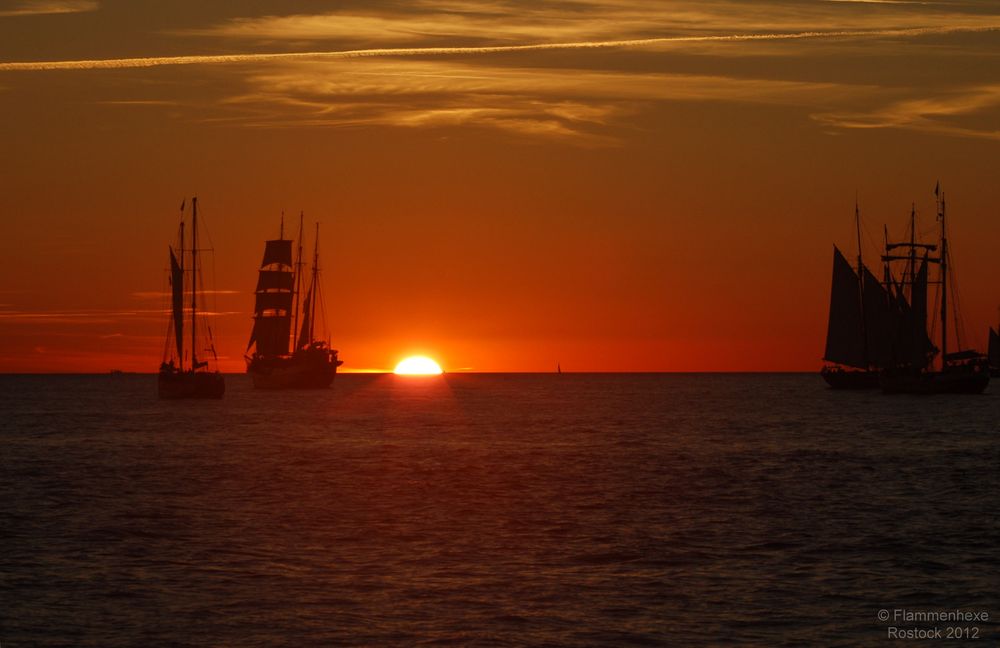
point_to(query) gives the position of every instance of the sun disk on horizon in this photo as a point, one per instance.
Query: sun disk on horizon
(417, 366)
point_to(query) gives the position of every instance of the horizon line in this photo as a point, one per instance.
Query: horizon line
(444, 373)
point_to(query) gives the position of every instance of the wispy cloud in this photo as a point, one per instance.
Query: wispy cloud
(496, 22)
(928, 114)
(92, 316)
(887, 2)
(444, 70)
(538, 102)
(39, 7)
(138, 102)
(63, 317)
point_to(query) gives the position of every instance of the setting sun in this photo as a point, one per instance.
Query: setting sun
(418, 366)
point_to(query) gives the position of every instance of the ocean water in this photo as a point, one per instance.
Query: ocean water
(494, 510)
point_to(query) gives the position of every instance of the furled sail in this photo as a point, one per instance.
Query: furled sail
(177, 301)
(845, 333)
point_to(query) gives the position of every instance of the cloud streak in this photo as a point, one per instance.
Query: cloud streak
(42, 7)
(93, 317)
(538, 102)
(160, 294)
(497, 22)
(935, 115)
(220, 59)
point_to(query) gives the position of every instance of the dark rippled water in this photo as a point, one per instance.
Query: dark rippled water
(572, 510)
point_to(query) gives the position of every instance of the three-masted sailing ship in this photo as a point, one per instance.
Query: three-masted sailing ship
(878, 334)
(917, 366)
(287, 353)
(188, 375)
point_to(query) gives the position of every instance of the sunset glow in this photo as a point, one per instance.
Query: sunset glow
(417, 366)
(499, 321)
(622, 186)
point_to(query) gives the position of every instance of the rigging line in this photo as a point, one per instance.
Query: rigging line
(167, 304)
(166, 345)
(934, 313)
(319, 292)
(322, 312)
(872, 241)
(215, 300)
(215, 297)
(928, 232)
(211, 342)
(201, 282)
(201, 288)
(956, 304)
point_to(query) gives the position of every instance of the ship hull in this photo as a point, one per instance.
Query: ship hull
(189, 384)
(963, 379)
(308, 369)
(838, 378)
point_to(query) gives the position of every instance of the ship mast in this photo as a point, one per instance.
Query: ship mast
(886, 274)
(314, 287)
(861, 283)
(944, 280)
(179, 321)
(913, 248)
(194, 278)
(298, 288)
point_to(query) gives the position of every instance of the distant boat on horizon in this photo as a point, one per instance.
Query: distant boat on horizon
(287, 354)
(191, 379)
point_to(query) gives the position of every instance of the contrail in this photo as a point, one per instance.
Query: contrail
(156, 61)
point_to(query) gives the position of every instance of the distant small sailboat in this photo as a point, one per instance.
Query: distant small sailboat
(197, 380)
(558, 368)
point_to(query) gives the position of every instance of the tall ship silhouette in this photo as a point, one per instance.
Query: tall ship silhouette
(287, 353)
(186, 373)
(880, 332)
(915, 365)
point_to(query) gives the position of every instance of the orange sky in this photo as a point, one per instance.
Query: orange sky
(657, 188)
